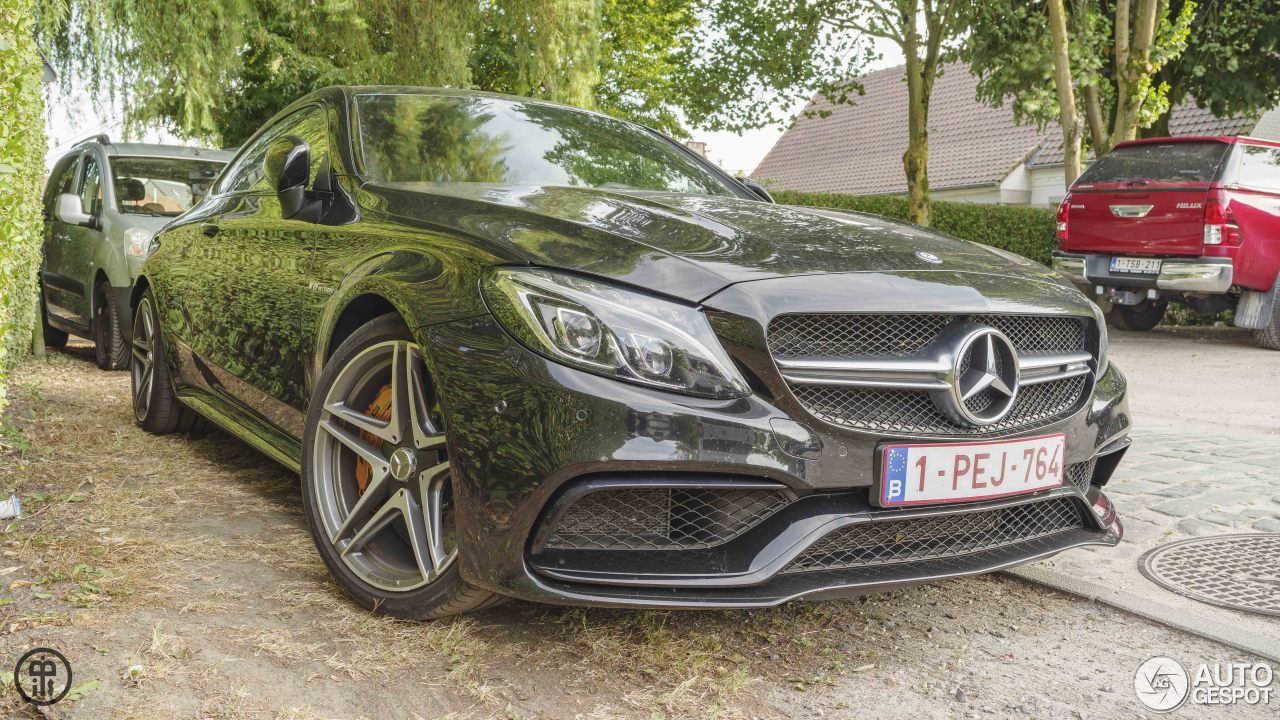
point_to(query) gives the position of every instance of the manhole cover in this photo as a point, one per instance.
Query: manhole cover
(1241, 572)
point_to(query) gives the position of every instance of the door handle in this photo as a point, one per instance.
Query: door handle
(209, 229)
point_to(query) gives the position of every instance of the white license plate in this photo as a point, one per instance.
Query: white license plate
(951, 472)
(1146, 266)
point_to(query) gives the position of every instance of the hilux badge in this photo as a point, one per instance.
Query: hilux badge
(929, 257)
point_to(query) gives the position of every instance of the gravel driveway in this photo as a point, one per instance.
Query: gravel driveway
(177, 576)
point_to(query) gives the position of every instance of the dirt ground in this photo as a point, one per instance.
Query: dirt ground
(178, 577)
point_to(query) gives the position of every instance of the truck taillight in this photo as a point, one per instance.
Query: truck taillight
(1219, 223)
(1062, 219)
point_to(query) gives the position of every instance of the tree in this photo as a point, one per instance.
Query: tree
(22, 144)
(1232, 61)
(218, 71)
(790, 49)
(1117, 52)
(1068, 113)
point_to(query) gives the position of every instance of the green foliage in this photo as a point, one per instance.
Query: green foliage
(218, 71)
(1232, 61)
(22, 144)
(1029, 232)
(1224, 54)
(643, 45)
(540, 48)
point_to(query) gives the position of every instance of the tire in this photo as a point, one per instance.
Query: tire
(53, 337)
(155, 406)
(347, 515)
(1269, 336)
(109, 347)
(1141, 317)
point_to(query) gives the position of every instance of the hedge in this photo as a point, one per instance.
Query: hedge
(22, 147)
(1029, 232)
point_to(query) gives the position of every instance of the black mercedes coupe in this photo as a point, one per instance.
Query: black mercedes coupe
(522, 350)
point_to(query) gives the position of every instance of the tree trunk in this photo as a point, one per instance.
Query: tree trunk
(1099, 136)
(915, 161)
(1068, 115)
(1132, 59)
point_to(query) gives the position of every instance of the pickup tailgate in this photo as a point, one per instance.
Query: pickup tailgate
(1145, 199)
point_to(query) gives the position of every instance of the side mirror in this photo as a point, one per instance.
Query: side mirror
(757, 189)
(70, 210)
(289, 163)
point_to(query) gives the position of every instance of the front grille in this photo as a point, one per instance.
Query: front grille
(886, 542)
(661, 518)
(1081, 474)
(912, 412)
(846, 335)
(906, 337)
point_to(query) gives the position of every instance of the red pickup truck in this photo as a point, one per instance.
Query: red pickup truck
(1194, 220)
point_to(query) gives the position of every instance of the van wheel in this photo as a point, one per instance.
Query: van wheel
(109, 348)
(1141, 317)
(1269, 336)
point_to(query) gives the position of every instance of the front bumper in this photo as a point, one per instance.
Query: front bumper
(525, 433)
(1190, 275)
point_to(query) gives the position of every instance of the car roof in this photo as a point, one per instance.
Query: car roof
(159, 150)
(1228, 139)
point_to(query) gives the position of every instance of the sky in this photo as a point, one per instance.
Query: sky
(73, 119)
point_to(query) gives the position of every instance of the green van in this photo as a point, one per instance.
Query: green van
(103, 203)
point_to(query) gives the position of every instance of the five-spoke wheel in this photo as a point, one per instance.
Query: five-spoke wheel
(377, 480)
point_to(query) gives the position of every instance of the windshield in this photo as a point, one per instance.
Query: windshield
(1179, 162)
(433, 139)
(161, 186)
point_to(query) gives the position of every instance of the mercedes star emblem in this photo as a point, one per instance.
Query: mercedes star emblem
(929, 257)
(984, 379)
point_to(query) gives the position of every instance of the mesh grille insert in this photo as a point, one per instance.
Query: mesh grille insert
(662, 518)
(892, 410)
(912, 412)
(1081, 474)
(844, 335)
(886, 542)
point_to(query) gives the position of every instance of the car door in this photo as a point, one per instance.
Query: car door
(55, 284)
(75, 266)
(250, 271)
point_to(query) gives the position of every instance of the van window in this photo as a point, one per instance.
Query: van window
(1163, 162)
(1260, 167)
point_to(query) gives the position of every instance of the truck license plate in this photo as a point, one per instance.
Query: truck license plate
(1145, 266)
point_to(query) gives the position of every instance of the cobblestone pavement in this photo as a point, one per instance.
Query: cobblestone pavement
(1195, 469)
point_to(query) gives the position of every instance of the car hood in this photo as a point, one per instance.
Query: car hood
(690, 246)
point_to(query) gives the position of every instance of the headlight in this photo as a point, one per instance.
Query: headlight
(1104, 343)
(137, 242)
(613, 332)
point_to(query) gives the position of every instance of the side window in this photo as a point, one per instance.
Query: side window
(91, 185)
(1260, 167)
(249, 172)
(63, 180)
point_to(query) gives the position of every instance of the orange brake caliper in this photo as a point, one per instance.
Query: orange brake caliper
(380, 408)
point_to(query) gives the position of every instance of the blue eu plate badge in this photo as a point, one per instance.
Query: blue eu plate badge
(895, 475)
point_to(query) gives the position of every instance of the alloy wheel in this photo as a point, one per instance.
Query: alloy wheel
(142, 369)
(382, 476)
